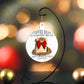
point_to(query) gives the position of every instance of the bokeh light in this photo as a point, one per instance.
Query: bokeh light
(43, 67)
(78, 41)
(80, 3)
(3, 31)
(10, 58)
(23, 34)
(20, 18)
(10, 74)
(82, 73)
(23, 16)
(12, 31)
(62, 6)
(33, 3)
(75, 75)
(48, 0)
(74, 14)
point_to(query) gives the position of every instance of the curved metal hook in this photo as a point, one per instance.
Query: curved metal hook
(41, 10)
(63, 37)
(45, 14)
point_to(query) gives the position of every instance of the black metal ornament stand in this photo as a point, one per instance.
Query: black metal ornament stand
(42, 81)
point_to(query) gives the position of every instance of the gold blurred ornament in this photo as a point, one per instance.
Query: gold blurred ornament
(3, 31)
(78, 75)
(7, 76)
(12, 31)
(23, 16)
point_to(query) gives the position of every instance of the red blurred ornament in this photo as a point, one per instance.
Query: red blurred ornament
(10, 58)
(79, 39)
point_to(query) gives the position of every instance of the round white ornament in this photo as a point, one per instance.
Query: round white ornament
(41, 45)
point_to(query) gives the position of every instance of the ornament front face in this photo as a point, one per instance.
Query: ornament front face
(42, 45)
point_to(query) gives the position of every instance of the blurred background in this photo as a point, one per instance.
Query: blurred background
(19, 18)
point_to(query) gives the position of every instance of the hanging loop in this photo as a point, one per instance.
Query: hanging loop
(42, 26)
(41, 10)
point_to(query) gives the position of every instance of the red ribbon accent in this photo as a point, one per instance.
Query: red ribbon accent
(41, 43)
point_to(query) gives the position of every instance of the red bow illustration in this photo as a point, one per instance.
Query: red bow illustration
(41, 43)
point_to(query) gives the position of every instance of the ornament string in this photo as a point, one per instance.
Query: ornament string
(42, 81)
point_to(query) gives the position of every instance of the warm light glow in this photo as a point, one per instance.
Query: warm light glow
(79, 38)
(80, 3)
(61, 6)
(75, 75)
(23, 16)
(12, 31)
(7, 76)
(82, 73)
(78, 75)
(3, 31)
(76, 15)
(64, 6)
(2, 74)
(23, 34)
(10, 75)
(48, 0)
(43, 67)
